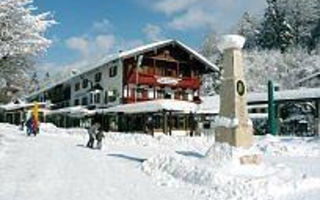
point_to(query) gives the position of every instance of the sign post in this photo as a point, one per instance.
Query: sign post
(272, 126)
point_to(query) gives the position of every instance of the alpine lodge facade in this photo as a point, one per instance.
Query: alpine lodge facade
(132, 90)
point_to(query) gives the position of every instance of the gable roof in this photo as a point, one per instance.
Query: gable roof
(307, 78)
(130, 53)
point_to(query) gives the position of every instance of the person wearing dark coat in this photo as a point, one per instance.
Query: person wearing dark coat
(99, 137)
(29, 126)
(92, 134)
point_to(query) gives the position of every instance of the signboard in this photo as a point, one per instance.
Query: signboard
(168, 80)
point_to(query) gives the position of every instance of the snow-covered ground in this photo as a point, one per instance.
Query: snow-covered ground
(57, 165)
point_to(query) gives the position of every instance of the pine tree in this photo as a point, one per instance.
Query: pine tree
(248, 27)
(315, 33)
(302, 15)
(275, 31)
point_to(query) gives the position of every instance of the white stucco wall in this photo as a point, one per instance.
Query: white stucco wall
(107, 83)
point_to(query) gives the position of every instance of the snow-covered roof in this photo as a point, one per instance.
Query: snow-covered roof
(309, 77)
(13, 106)
(211, 104)
(286, 95)
(258, 115)
(130, 53)
(152, 106)
(75, 111)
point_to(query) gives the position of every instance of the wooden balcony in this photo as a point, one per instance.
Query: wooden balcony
(153, 80)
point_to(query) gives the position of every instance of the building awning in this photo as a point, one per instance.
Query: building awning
(75, 111)
(153, 106)
(13, 106)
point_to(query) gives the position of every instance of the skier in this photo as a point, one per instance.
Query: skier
(92, 134)
(99, 137)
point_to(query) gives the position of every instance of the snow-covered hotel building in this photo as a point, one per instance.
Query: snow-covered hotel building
(162, 73)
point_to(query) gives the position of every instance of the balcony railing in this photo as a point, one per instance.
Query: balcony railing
(152, 80)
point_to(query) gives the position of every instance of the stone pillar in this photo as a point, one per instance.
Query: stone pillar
(317, 119)
(233, 95)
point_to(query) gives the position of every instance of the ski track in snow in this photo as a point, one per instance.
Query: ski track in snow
(56, 165)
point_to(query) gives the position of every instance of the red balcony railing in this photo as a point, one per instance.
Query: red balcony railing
(152, 80)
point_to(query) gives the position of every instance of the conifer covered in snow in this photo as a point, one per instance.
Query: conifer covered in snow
(21, 39)
(248, 26)
(276, 32)
(302, 15)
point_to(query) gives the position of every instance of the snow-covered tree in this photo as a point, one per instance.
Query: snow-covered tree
(276, 32)
(248, 27)
(211, 82)
(302, 15)
(21, 38)
(284, 68)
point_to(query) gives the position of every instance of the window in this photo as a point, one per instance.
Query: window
(97, 77)
(160, 94)
(184, 71)
(85, 83)
(168, 95)
(106, 97)
(76, 102)
(97, 98)
(190, 96)
(185, 95)
(91, 98)
(150, 93)
(84, 101)
(113, 71)
(77, 86)
(139, 92)
(112, 96)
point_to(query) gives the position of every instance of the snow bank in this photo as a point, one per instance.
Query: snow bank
(6, 136)
(265, 145)
(287, 146)
(219, 175)
(49, 128)
(226, 122)
(160, 141)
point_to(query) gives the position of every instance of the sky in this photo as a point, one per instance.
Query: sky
(89, 29)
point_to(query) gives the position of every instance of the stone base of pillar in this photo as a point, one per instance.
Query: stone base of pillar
(239, 137)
